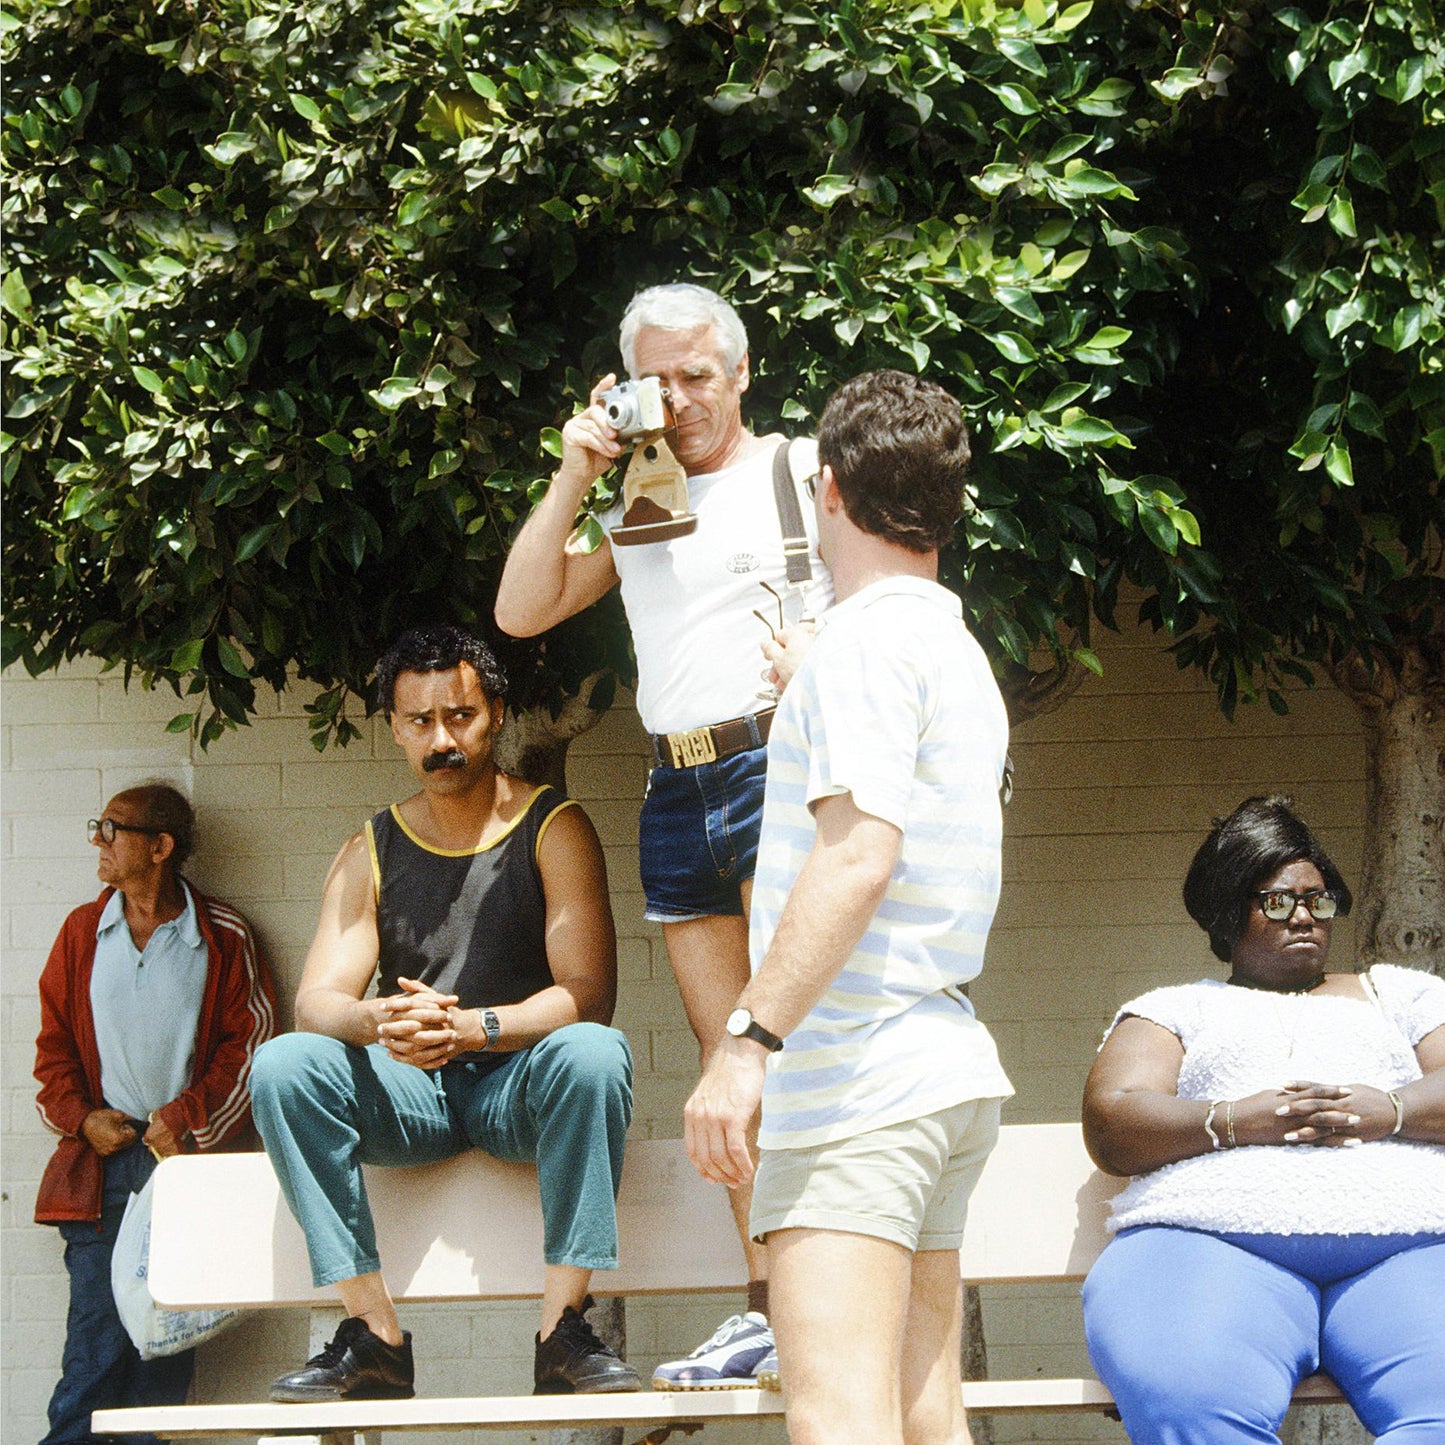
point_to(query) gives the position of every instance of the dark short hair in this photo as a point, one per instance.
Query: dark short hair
(437, 649)
(898, 446)
(167, 810)
(1242, 851)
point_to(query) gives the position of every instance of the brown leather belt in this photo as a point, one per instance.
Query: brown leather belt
(707, 744)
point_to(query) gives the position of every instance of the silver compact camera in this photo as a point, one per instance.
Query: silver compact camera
(635, 408)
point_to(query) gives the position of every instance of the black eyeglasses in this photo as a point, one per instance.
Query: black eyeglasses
(1278, 904)
(810, 484)
(106, 828)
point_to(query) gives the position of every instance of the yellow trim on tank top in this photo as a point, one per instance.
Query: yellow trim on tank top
(547, 823)
(395, 811)
(375, 861)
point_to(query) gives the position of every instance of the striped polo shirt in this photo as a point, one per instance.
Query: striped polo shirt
(896, 705)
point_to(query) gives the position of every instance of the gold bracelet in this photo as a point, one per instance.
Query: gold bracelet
(1394, 1098)
(1229, 1125)
(1209, 1123)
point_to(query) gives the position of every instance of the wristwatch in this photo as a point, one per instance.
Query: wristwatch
(742, 1025)
(492, 1026)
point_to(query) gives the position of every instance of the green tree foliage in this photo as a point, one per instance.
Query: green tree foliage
(297, 296)
(1304, 413)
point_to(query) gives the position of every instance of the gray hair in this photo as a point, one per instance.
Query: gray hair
(681, 307)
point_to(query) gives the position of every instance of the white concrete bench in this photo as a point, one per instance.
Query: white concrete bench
(471, 1229)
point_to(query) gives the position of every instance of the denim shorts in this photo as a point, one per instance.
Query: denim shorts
(699, 836)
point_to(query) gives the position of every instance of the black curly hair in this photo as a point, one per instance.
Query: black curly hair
(437, 649)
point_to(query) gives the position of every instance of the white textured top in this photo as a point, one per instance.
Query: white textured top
(894, 704)
(1238, 1041)
(690, 601)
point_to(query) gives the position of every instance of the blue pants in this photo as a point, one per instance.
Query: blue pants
(325, 1108)
(101, 1369)
(1202, 1337)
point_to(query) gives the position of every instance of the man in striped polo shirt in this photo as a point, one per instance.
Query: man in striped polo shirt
(877, 879)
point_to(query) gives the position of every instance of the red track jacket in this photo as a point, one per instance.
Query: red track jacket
(238, 1014)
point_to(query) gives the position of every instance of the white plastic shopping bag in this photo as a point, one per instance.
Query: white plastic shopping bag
(154, 1331)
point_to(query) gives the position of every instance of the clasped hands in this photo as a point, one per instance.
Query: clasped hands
(421, 1026)
(1304, 1112)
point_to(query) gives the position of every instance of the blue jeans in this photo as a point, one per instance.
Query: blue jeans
(325, 1108)
(101, 1369)
(1202, 1337)
(699, 836)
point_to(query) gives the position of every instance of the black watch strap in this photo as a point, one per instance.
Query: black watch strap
(742, 1025)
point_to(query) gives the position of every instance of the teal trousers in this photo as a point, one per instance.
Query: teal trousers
(325, 1108)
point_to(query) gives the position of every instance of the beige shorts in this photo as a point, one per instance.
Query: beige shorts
(908, 1182)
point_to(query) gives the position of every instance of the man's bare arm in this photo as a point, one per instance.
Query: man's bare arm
(837, 893)
(548, 576)
(343, 955)
(581, 940)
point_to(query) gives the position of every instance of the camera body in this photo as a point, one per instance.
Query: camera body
(635, 408)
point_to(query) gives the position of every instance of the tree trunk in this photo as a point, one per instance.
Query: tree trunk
(533, 745)
(1401, 901)
(974, 1359)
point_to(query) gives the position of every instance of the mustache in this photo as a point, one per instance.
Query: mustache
(452, 758)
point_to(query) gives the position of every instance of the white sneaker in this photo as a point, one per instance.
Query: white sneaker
(725, 1362)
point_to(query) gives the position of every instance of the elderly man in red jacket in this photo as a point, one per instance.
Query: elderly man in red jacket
(152, 1003)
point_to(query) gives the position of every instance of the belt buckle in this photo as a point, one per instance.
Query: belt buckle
(692, 747)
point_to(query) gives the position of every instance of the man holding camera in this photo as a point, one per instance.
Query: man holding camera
(700, 605)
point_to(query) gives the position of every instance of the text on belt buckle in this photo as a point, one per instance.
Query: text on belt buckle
(692, 747)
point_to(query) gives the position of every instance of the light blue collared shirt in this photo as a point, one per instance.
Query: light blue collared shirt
(146, 1007)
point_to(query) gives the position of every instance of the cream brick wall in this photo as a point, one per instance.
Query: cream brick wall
(1113, 793)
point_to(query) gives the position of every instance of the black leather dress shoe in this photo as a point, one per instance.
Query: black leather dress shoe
(573, 1361)
(356, 1365)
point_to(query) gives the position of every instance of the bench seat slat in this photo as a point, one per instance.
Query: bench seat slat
(989, 1397)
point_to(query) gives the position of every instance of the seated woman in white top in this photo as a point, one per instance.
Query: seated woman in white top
(1286, 1131)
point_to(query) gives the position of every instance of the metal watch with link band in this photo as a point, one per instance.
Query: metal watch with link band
(491, 1026)
(742, 1025)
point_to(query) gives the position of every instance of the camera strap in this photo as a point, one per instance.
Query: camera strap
(790, 519)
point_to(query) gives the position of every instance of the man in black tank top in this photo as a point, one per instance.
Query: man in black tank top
(479, 905)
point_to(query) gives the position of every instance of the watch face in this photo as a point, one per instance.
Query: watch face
(738, 1021)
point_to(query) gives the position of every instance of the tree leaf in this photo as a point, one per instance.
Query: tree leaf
(231, 659)
(1338, 464)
